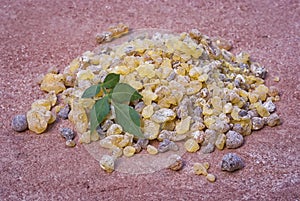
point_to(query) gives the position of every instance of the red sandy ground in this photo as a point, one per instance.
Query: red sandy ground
(36, 35)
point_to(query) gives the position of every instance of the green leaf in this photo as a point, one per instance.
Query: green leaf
(124, 93)
(98, 112)
(91, 91)
(111, 80)
(128, 118)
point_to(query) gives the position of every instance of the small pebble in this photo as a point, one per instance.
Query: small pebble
(243, 113)
(19, 123)
(234, 139)
(64, 112)
(253, 113)
(139, 107)
(237, 128)
(143, 143)
(231, 162)
(167, 145)
(208, 148)
(67, 133)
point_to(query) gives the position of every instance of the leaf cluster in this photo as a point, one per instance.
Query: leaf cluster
(118, 95)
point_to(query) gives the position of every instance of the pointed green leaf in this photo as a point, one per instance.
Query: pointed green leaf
(91, 91)
(124, 93)
(98, 112)
(111, 80)
(128, 118)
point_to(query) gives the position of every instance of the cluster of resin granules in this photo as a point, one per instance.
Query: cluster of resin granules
(194, 91)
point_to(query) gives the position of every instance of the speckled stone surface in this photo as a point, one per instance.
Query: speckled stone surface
(36, 35)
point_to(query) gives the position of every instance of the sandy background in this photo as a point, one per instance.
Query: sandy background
(36, 35)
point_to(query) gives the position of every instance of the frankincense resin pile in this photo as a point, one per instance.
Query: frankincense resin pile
(194, 90)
